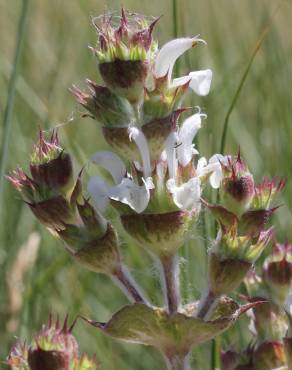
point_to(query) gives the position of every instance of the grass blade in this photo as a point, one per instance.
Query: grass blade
(7, 122)
(175, 32)
(245, 74)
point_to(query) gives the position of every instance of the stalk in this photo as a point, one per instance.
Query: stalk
(125, 281)
(207, 305)
(177, 362)
(170, 276)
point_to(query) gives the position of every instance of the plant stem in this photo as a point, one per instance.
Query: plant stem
(123, 278)
(207, 305)
(170, 276)
(177, 362)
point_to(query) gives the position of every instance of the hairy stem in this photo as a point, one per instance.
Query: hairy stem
(170, 276)
(125, 281)
(177, 362)
(207, 305)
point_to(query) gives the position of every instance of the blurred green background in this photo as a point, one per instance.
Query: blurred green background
(35, 281)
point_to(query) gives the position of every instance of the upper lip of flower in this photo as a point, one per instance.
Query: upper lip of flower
(199, 81)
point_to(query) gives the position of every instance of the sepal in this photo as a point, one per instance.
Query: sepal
(161, 234)
(226, 275)
(226, 219)
(277, 272)
(96, 253)
(253, 222)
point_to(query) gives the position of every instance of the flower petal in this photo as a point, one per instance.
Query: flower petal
(201, 81)
(187, 132)
(141, 142)
(215, 167)
(112, 163)
(135, 196)
(170, 150)
(202, 163)
(170, 52)
(180, 81)
(99, 191)
(186, 196)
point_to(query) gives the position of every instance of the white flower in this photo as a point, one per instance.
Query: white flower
(186, 196)
(186, 135)
(180, 150)
(199, 81)
(124, 190)
(214, 167)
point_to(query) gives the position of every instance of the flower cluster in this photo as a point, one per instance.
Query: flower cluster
(53, 348)
(243, 214)
(270, 322)
(155, 182)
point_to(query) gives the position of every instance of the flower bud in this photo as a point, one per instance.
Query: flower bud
(270, 322)
(278, 272)
(244, 248)
(53, 348)
(50, 165)
(48, 190)
(106, 107)
(125, 53)
(237, 188)
(231, 258)
(51, 209)
(266, 192)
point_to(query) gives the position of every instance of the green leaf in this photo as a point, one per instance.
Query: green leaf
(142, 324)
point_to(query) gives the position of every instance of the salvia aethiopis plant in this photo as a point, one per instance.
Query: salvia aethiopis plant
(53, 347)
(155, 183)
